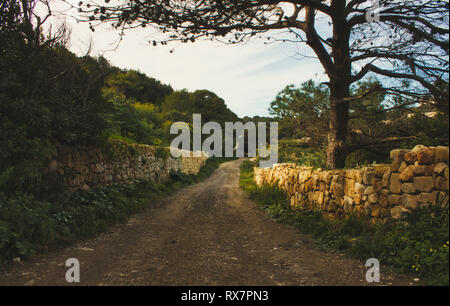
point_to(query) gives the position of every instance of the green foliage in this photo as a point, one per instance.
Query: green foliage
(29, 225)
(134, 122)
(136, 85)
(180, 101)
(162, 152)
(144, 123)
(290, 151)
(47, 96)
(368, 156)
(430, 131)
(180, 105)
(418, 244)
(302, 111)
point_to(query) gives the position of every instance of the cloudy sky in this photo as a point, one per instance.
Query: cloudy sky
(247, 77)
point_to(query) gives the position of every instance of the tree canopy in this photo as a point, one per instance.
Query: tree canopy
(136, 84)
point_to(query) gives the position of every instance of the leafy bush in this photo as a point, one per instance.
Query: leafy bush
(28, 225)
(417, 244)
(289, 152)
(134, 122)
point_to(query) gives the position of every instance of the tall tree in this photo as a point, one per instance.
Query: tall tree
(401, 40)
(137, 85)
(302, 111)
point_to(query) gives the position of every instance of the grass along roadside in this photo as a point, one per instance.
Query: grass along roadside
(418, 244)
(29, 226)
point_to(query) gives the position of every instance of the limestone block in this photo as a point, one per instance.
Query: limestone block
(383, 201)
(441, 183)
(385, 192)
(354, 174)
(320, 198)
(424, 183)
(410, 157)
(377, 184)
(395, 199)
(440, 168)
(386, 177)
(338, 179)
(408, 188)
(358, 177)
(359, 188)
(441, 154)
(417, 148)
(349, 186)
(293, 202)
(368, 176)
(425, 156)
(403, 166)
(397, 158)
(422, 170)
(407, 174)
(395, 184)
(398, 154)
(409, 201)
(427, 198)
(373, 198)
(348, 203)
(380, 169)
(369, 190)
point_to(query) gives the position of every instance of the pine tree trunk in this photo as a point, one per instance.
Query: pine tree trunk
(339, 88)
(336, 151)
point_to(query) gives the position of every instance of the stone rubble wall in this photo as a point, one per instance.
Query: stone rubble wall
(380, 191)
(90, 166)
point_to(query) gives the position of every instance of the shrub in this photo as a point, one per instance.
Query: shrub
(294, 153)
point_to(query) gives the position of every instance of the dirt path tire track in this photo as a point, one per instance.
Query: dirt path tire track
(206, 234)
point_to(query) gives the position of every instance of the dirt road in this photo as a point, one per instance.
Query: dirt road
(206, 234)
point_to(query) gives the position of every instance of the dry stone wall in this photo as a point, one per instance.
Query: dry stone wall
(415, 177)
(86, 167)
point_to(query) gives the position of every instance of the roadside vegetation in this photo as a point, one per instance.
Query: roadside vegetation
(29, 225)
(418, 244)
